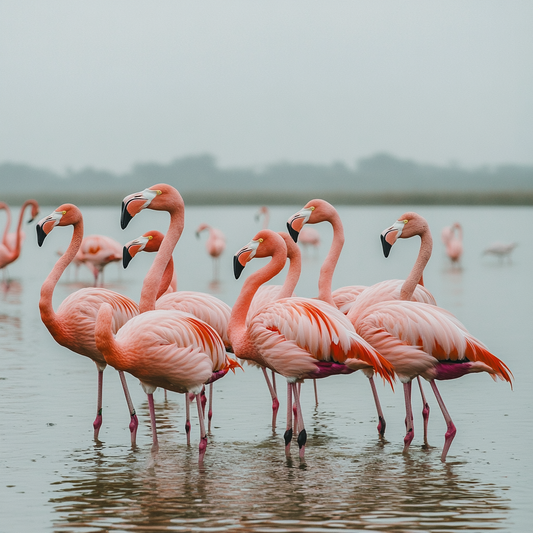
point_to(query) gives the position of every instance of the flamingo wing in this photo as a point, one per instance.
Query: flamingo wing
(345, 297)
(414, 330)
(293, 334)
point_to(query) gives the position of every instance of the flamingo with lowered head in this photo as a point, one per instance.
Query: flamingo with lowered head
(163, 348)
(73, 324)
(11, 244)
(299, 338)
(98, 251)
(452, 237)
(215, 244)
(421, 339)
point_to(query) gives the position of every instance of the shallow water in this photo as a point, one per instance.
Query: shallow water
(56, 478)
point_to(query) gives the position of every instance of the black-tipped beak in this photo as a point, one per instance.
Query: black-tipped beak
(386, 246)
(292, 232)
(197, 234)
(41, 235)
(125, 217)
(237, 267)
(31, 220)
(126, 257)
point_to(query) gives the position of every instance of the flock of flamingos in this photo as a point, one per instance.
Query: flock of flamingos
(181, 341)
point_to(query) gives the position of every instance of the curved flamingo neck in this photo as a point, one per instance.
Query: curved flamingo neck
(105, 339)
(266, 219)
(152, 281)
(415, 277)
(166, 280)
(3, 205)
(19, 227)
(237, 324)
(48, 314)
(328, 267)
(295, 269)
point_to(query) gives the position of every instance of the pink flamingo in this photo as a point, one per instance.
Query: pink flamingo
(73, 324)
(299, 338)
(202, 305)
(215, 245)
(351, 296)
(97, 251)
(12, 242)
(421, 339)
(163, 348)
(453, 239)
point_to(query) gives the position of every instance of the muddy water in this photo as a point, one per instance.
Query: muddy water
(54, 477)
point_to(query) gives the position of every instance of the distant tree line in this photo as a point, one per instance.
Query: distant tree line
(381, 178)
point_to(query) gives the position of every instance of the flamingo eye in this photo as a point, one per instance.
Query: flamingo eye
(312, 208)
(405, 221)
(150, 237)
(63, 212)
(260, 239)
(159, 192)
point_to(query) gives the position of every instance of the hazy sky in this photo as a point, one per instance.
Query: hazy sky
(109, 83)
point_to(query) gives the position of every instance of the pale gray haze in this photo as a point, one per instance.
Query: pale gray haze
(111, 83)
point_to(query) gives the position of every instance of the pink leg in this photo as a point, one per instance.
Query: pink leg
(274, 396)
(203, 436)
(381, 418)
(210, 410)
(302, 434)
(451, 431)
(134, 422)
(288, 433)
(98, 420)
(188, 418)
(316, 392)
(155, 444)
(274, 382)
(408, 417)
(425, 412)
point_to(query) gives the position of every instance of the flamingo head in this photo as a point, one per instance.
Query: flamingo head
(64, 215)
(34, 210)
(313, 212)
(201, 228)
(149, 242)
(263, 210)
(160, 197)
(264, 244)
(408, 225)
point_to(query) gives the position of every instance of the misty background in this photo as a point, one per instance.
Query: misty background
(275, 101)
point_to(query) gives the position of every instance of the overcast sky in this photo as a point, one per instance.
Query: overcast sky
(109, 83)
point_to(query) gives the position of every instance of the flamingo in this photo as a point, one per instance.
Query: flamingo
(345, 298)
(452, 237)
(73, 324)
(202, 305)
(500, 249)
(420, 339)
(11, 242)
(299, 338)
(163, 348)
(215, 245)
(96, 252)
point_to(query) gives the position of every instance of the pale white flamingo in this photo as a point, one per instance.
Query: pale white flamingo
(73, 324)
(163, 348)
(500, 249)
(300, 338)
(423, 340)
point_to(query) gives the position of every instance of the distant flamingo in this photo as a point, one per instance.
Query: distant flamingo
(12, 242)
(421, 339)
(74, 323)
(97, 251)
(300, 338)
(265, 212)
(500, 249)
(163, 348)
(452, 237)
(215, 245)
